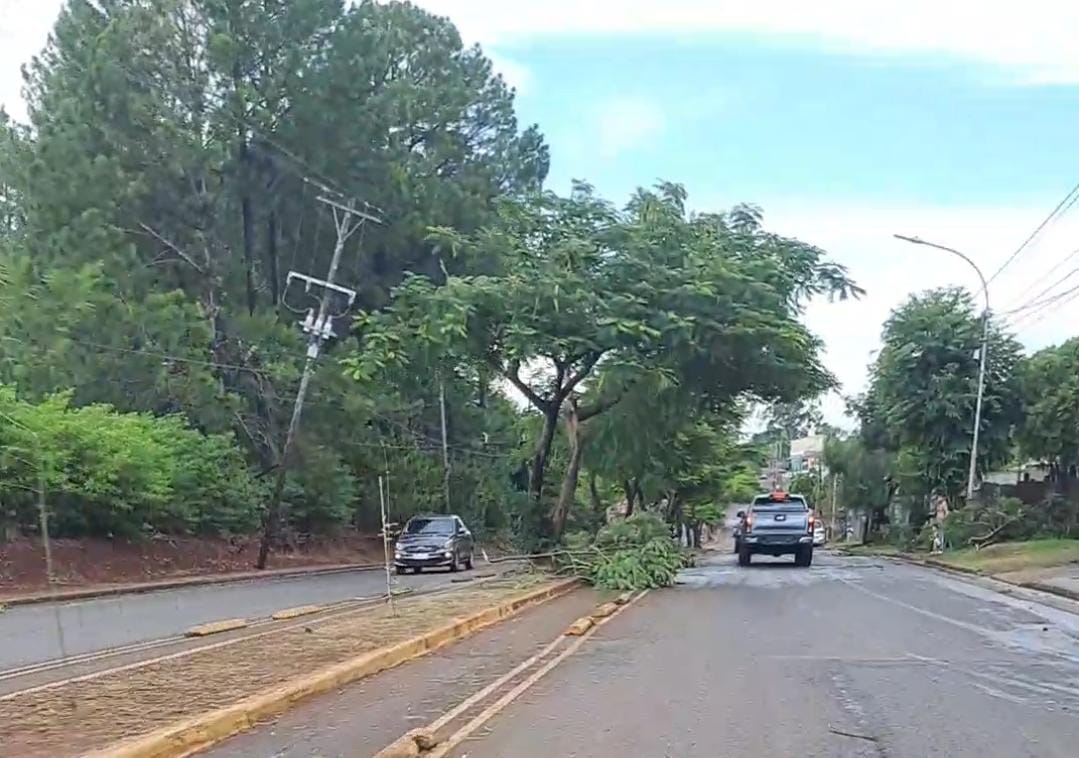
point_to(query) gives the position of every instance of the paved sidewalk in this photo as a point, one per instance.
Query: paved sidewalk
(1061, 580)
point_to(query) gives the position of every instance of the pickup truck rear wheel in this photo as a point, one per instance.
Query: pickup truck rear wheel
(804, 556)
(744, 556)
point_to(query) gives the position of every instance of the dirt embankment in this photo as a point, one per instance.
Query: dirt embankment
(93, 562)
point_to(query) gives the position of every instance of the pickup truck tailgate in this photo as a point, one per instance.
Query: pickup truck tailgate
(780, 520)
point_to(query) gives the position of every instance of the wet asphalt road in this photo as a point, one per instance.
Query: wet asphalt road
(34, 633)
(854, 657)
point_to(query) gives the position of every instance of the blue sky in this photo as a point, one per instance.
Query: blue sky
(954, 121)
(739, 118)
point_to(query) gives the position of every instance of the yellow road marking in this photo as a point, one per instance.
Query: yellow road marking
(495, 708)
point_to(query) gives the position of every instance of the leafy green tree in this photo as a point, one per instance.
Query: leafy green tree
(169, 181)
(864, 476)
(786, 421)
(923, 387)
(1049, 384)
(581, 288)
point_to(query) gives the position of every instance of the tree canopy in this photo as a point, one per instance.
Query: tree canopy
(174, 171)
(580, 293)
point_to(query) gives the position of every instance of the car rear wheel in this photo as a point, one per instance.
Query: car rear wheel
(804, 557)
(468, 562)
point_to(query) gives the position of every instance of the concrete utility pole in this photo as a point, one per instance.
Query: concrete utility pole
(972, 473)
(835, 485)
(319, 328)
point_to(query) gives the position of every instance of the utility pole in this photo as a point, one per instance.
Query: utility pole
(978, 403)
(445, 444)
(973, 471)
(835, 484)
(319, 328)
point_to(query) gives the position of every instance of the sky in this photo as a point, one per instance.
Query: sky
(954, 121)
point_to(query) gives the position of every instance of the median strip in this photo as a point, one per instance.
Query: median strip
(173, 707)
(215, 627)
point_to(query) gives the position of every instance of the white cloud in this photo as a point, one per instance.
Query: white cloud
(1035, 38)
(891, 270)
(23, 32)
(626, 122)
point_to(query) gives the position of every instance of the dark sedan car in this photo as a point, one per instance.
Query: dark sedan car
(433, 542)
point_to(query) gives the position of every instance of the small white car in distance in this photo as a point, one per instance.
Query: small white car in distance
(818, 534)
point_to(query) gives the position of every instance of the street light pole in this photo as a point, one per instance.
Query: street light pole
(982, 355)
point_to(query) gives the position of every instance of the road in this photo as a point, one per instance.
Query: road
(34, 633)
(854, 657)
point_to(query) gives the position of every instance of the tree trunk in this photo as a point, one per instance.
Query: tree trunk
(627, 487)
(271, 257)
(674, 511)
(539, 458)
(593, 494)
(573, 471)
(246, 217)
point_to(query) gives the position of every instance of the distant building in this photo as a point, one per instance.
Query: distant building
(807, 454)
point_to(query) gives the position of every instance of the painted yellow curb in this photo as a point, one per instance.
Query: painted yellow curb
(191, 736)
(215, 627)
(624, 598)
(412, 744)
(605, 610)
(291, 613)
(580, 626)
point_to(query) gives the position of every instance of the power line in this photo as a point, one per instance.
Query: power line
(1030, 323)
(1039, 300)
(1061, 208)
(1019, 299)
(1046, 307)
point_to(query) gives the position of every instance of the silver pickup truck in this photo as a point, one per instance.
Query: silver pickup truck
(776, 524)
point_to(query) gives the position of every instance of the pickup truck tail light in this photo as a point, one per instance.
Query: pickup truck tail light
(747, 523)
(810, 522)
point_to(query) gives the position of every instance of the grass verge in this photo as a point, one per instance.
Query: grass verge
(1004, 558)
(1015, 556)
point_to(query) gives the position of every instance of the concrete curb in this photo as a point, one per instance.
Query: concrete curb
(932, 563)
(190, 736)
(1051, 589)
(181, 582)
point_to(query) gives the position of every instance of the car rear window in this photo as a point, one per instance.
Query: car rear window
(430, 526)
(794, 502)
